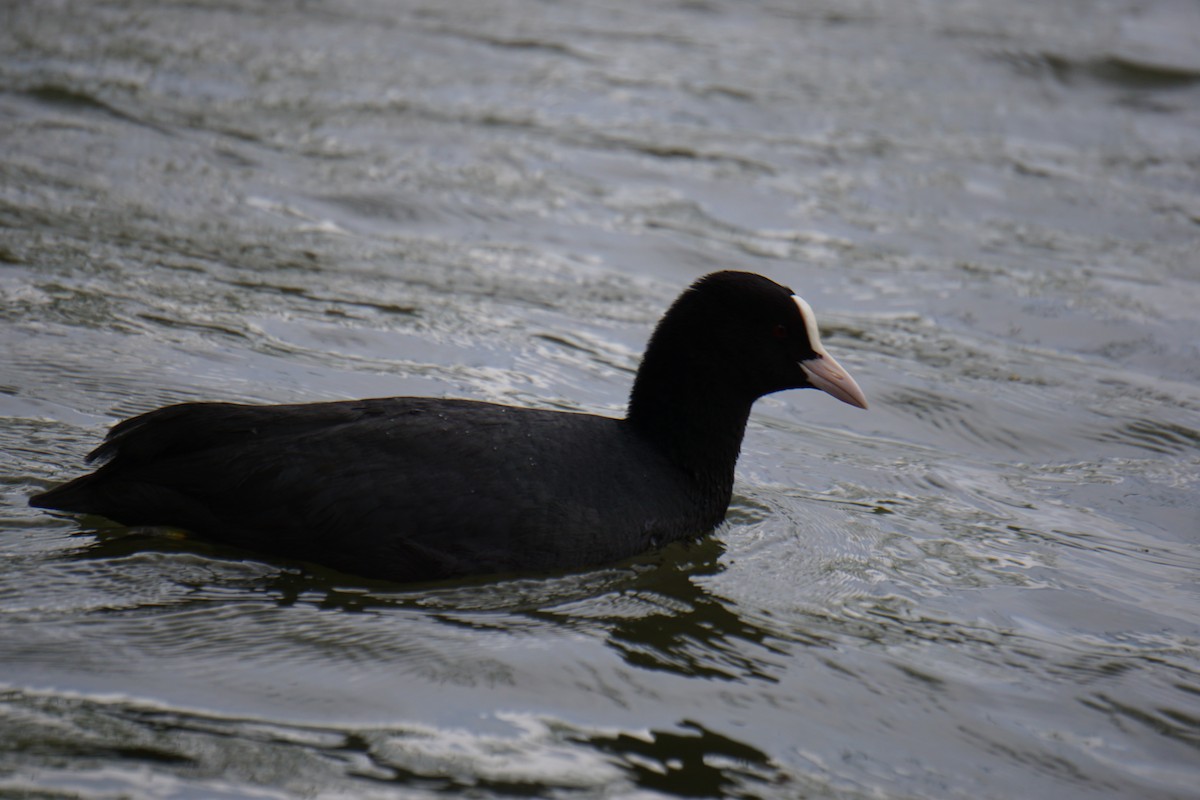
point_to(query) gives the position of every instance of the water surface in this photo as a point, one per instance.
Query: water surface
(984, 587)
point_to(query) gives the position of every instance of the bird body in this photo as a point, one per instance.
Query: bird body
(411, 488)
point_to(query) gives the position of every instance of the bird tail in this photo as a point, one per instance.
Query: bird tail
(77, 496)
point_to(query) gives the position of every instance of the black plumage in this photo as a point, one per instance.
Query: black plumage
(414, 488)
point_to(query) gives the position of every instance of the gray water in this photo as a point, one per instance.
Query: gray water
(984, 587)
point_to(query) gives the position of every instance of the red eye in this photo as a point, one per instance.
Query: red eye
(779, 332)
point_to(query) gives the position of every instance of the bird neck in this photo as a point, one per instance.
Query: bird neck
(698, 423)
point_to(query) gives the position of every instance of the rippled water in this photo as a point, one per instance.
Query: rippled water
(984, 587)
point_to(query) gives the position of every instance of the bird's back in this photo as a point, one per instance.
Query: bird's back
(402, 488)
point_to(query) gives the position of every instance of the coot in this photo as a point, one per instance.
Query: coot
(418, 488)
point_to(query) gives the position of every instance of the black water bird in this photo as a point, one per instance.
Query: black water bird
(418, 488)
